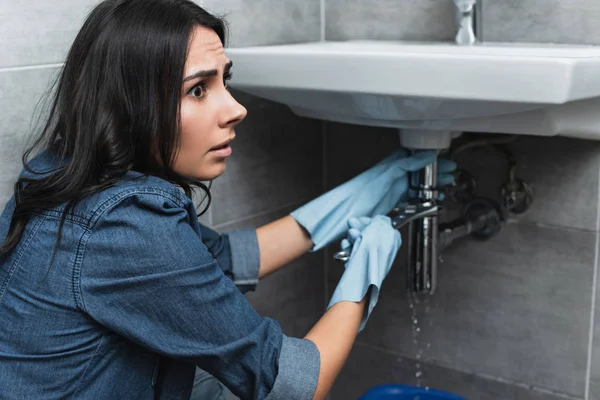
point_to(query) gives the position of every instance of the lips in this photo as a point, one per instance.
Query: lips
(221, 146)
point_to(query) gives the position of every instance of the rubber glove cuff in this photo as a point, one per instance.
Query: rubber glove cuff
(373, 254)
(375, 191)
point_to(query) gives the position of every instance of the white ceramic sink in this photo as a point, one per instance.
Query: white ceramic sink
(504, 88)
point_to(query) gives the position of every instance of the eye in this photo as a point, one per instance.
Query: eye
(226, 77)
(198, 91)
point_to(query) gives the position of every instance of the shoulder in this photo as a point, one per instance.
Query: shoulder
(133, 190)
(136, 195)
(144, 214)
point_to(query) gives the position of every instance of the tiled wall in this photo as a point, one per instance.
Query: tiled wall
(34, 38)
(511, 318)
(509, 313)
(542, 21)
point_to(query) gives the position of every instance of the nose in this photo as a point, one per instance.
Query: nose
(233, 112)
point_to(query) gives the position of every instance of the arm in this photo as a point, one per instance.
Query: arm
(334, 334)
(237, 254)
(279, 243)
(319, 222)
(163, 290)
(145, 275)
(247, 255)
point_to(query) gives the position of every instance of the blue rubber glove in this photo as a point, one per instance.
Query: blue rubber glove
(373, 252)
(355, 227)
(375, 191)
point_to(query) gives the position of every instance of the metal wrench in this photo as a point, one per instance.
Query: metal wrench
(401, 216)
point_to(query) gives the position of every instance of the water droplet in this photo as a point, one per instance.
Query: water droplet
(418, 329)
(418, 374)
(415, 321)
(427, 388)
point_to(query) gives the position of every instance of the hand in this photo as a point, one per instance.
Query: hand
(375, 191)
(355, 227)
(373, 252)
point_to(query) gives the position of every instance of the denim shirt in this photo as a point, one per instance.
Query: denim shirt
(139, 293)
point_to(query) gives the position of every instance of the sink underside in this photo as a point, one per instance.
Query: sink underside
(521, 89)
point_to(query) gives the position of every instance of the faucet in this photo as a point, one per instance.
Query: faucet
(467, 20)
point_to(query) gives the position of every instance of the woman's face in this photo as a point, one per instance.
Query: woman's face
(209, 113)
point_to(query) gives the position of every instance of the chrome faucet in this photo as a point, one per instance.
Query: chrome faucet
(467, 18)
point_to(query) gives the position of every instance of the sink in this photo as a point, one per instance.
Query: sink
(513, 88)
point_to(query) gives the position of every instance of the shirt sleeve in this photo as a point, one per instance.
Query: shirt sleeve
(145, 274)
(237, 254)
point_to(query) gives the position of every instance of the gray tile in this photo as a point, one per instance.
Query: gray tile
(389, 20)
(39, 31)
(386, 368)
(277, 161)
(516, 307)
(554, 21)
(268, 22)
(293, 296)
(351, 149)
(20, 93)
(562, 172)
(595, 361)
(200, 199)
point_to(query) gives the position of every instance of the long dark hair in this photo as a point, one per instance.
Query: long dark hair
(116, 106)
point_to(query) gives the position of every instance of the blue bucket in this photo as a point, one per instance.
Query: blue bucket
(401, 392)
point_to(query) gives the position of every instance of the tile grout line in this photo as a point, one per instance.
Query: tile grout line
(325, 171)
(552, 226)
(593, 300)
(438, 364)
(262, 213)
(322, 26)
(210, 216)
(30, 67)
(324, 152)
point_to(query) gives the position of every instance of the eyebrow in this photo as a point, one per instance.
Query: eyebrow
(207, 73)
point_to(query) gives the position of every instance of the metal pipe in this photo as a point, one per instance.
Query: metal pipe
(423, 237)
(459, 228)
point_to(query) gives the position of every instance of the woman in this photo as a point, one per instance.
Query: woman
(110, 288)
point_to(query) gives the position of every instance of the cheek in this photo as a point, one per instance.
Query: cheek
(195, 141)
(194, 128)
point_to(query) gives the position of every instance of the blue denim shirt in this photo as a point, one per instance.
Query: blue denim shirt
(139, 293)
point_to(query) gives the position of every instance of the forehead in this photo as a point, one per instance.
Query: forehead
(205, 50)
